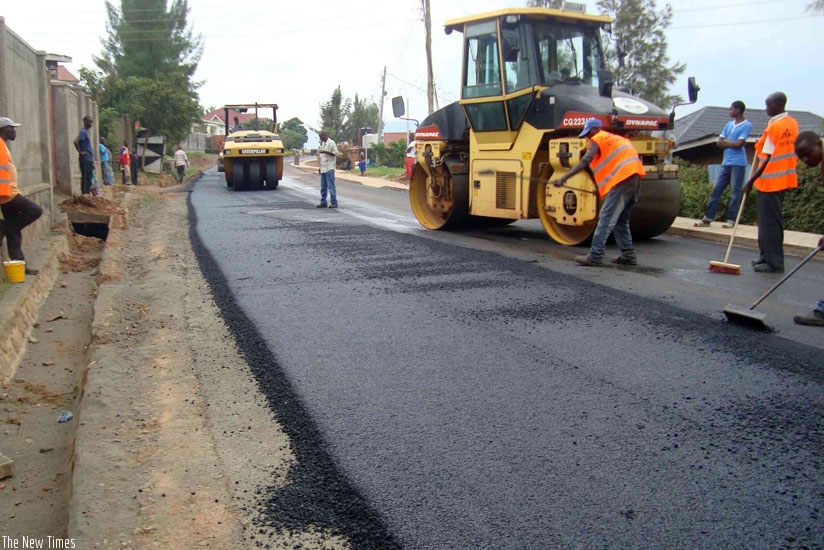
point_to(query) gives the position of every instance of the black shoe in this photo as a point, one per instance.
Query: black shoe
(620, 260)
(32, 271)
(587, 261)
(333, 205)
(812, 319)
(766, 268)
(321, 205)
(757, 262)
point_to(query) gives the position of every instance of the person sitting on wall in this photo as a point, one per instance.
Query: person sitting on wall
(18, 211)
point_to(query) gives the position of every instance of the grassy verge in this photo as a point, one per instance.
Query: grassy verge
(381, 172)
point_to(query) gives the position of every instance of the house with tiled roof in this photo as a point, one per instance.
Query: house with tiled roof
(212, 123)
(695, 134)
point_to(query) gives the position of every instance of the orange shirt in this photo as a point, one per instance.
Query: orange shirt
(616, 161)
(778, 142)
(8, 174)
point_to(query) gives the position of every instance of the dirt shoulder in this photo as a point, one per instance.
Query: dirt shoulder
(173, 443)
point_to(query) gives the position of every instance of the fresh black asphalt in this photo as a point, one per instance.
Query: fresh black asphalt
(443, 397)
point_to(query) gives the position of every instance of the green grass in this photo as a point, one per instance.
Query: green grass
(381, 172)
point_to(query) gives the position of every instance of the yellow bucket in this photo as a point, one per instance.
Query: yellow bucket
(15, 271)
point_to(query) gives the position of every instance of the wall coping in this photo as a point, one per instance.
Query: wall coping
(34, 188)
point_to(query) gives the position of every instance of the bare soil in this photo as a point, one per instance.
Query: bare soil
(174, 443)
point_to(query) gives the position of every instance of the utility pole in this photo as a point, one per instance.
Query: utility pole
(430, 77)
(380, 117)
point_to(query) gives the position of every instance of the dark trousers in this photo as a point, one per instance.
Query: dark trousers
(134, 174)
(86, 169)
(180, 171)
(18, 213)
(771, 229)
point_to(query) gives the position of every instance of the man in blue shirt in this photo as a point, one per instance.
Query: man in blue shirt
(731, 140)
(83, 144)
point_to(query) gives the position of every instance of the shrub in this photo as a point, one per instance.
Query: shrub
(803, 207)
(393, 155)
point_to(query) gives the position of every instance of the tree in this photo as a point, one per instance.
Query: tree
(639, 60)
(363, 114)
(392, 155)
(293, 134)
(147, 66)
(333, 115)
(259, 123)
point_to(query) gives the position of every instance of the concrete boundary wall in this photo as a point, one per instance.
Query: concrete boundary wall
(51, 114)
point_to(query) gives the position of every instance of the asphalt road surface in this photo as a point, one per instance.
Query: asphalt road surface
(477, 390)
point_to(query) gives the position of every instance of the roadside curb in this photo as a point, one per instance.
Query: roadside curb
(796, 243)
(368, 181)
(95, 408)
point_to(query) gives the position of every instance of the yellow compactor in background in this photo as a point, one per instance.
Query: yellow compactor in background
(252, 158)
(531, 78)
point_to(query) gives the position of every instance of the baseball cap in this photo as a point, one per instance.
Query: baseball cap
(590, 124)
(5, 121)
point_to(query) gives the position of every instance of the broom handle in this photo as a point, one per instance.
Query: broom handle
(738, 216)
(788, 275)
(735, 227)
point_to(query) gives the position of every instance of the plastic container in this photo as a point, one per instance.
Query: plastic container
(15, 271)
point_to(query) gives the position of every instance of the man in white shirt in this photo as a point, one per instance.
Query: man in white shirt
(181, 163)
(328, 155)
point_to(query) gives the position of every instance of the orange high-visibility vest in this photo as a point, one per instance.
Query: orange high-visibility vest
(616, 161)
(780, 173)
(8, 173)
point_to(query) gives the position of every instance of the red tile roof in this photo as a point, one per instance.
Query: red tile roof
(217, 115)
(64, 75)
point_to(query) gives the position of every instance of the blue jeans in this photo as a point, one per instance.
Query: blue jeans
(327, 181)
(734, 174)
(86, 169)
(614, 218)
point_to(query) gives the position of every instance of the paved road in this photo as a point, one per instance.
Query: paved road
(479, 391)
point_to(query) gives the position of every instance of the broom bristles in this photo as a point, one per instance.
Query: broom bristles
(721, 267)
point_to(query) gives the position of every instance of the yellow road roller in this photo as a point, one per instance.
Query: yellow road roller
(253, 158)
(531, 78)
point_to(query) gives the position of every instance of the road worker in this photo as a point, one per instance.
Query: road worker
(618, 171)
(774, 174)
(808, 147)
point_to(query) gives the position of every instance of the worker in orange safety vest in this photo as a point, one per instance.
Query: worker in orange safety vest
(618, 171)
(772, 176)
(18, 211)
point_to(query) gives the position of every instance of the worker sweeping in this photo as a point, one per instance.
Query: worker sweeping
(618, 171)
(773, 175)
(808, 147)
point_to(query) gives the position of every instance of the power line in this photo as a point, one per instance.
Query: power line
(741, 23)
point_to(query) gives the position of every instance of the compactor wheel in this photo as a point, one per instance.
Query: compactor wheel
(568, 235)
(450, 207)
(255, 180)
(238, 178)
(271, 176)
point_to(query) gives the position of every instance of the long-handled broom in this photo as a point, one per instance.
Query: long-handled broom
(751, 318)
(724, 267)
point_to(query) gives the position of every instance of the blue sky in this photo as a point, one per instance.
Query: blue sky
(296, 56)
